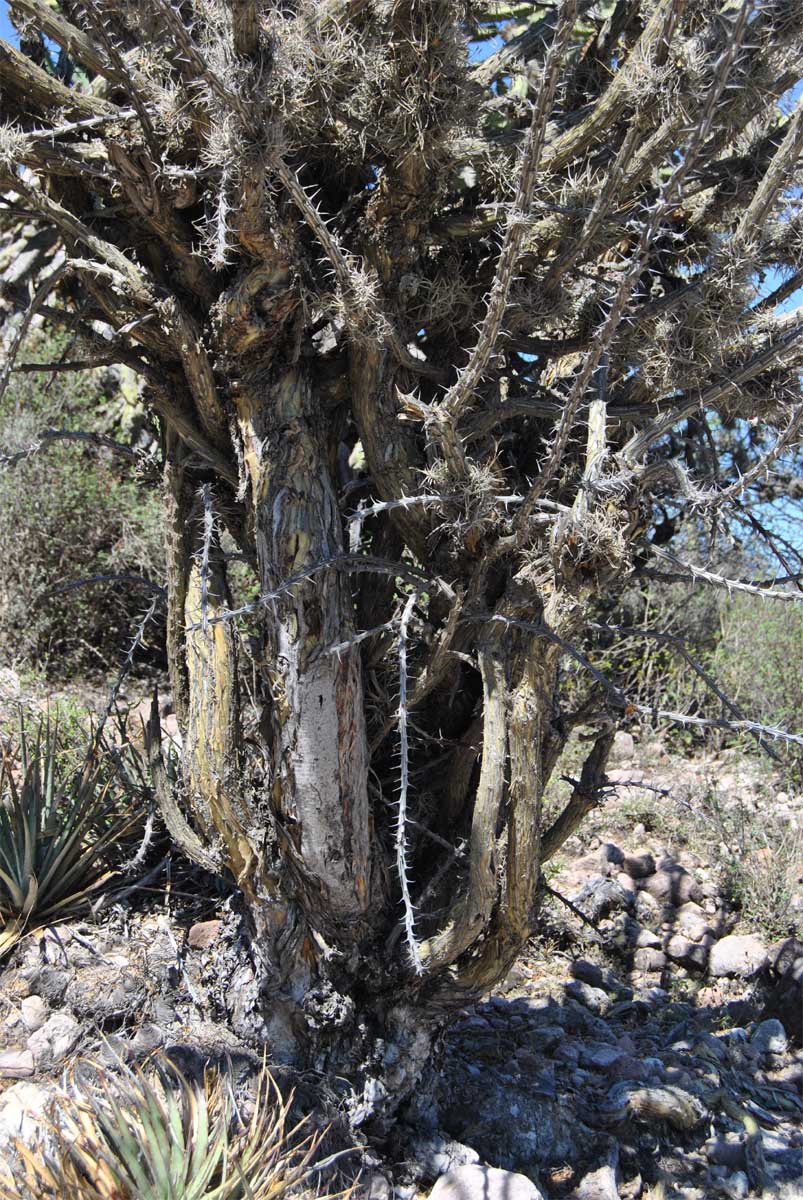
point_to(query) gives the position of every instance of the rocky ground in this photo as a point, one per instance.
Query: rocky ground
(649, 1046)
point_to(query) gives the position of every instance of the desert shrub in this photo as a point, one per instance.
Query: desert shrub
(56, 829)
(758, 658)
(70, 511)
(152, 1134)
(757, 856)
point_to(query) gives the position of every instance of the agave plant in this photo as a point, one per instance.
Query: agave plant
(155, 1135)
(53, 835)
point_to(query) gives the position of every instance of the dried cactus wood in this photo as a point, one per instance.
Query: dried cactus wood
(427, 338)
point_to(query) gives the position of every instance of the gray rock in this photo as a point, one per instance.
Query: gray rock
(672, 884)
(10, 686)
(599, 897)
(601, 1183)
(475, 1182)
(736, 1185)
(56, 1038)
(691, 954)
(34, 1012)
(436, 1155)
(377, 1187)
(742, 956)
(545, 1038)
(647, 910)
(599, 1055)
(22, 1108)
(592, 997)
(639, 865)
(786, 998)
(692, 922)
(624, 746)
(770, 1037)
(16, 1064)
(610, 852)
(649, 959)
(647, 940)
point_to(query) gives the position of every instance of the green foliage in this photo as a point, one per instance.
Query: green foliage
(67, 512)
(757, 856)
(155, 1135)
(759, 659)
(54, 834)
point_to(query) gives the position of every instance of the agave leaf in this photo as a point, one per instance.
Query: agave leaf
(11, 935)
(122, 1149)
(14, 890)
(30, 898)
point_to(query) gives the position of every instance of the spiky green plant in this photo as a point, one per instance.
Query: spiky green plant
(155, 1135)
(54, 833)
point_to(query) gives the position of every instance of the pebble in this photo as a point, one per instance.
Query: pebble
(739, 955)
(692, 922)
(203, 934)
(599, 1055)
(690, 954)
(649, 960)
(672, 884)
(16, 1064)
(592, 997)
(475, 1182)
(769, 1037)
(34, 1012)
(639, 865)
(55, 1039)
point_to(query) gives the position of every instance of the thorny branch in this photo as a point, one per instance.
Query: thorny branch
(562, 247)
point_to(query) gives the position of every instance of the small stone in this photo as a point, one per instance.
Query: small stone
(672, 884)
(203, 933)
(611, 853)
(34, 1012)
(147, 1038)
(769, 1037)
(163, 1012)
(647, 910)
(689, 953)
(600, 896)
(56, 1038)
(545, 1038)
(592, 997)
(599, 1055)
(475, 1182)
(639, 865)
(626, 882)
(737, 1185)
(628, 1067)
(22, 1108)
(16, 1064)
(377, 1187)
(646, 939)
(10, 686)
(436, 1155)
(649, 959)
(742, 956)
(624, 746)
(692, 922)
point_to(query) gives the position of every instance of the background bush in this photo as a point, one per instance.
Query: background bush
(71, 511)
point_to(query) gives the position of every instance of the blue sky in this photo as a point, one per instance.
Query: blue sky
(7, 30)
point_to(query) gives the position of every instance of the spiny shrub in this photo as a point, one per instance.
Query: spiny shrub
(153, 1134)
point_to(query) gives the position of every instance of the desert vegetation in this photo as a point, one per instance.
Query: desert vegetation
(437, 424)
